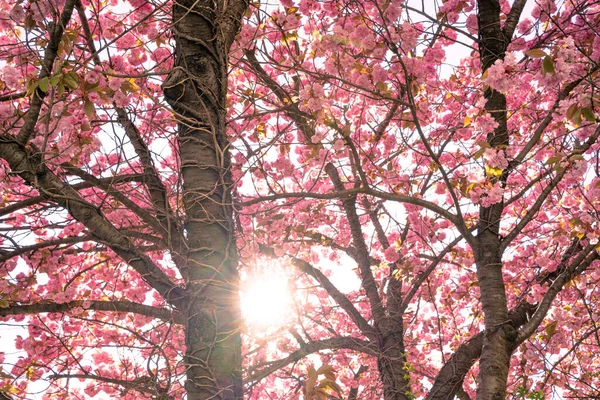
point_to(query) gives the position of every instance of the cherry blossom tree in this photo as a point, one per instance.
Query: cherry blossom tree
(425, 175)
(119, 233)
(444, 153)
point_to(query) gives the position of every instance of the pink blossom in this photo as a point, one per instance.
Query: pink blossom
(115, 83)
(485, 123)
(492, 196)
(10, 75)
(17, 13)
(6, 110)
(495, 158)
(338, 145)
(126, 41)
(391, 254)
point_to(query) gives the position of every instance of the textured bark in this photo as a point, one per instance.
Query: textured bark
(513, 19)
(499, 334)
(353, 394)
(392, 360)
(196, 89)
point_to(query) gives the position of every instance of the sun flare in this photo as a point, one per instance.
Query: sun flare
(266, 300)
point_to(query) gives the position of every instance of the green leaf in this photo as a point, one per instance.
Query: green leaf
(382, 87)
(324, 369)
(571, 110)
(469, 188)
(550, 329)
(43, 84)
(55, 79)
(29, 22)
(289, 37)
(553, 160)
(478, 154)
(129, 86)
(90, 87)
(89, 109)
(346, 130)
(548, 65)
(32, 87)
(576, 157)
(536, 53)
(489, 171)
(588, 114)
(330, 384)
(71, 80)
(4, 303)
(576, 117)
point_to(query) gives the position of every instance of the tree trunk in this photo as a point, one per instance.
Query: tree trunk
(196, 89)
(392, 366)
(499, 332)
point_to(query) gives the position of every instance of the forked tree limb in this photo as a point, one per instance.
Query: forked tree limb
(36, 174)
(452, 374)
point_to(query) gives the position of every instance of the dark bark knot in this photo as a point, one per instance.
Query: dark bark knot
(509, 332)
(174, 86)
(505, 331)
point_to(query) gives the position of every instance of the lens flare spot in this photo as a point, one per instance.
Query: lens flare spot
(266, 300)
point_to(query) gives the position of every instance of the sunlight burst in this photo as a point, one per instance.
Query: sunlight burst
(266, 300)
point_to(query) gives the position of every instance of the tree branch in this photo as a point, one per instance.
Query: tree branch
(350, 192)
(331, 290)
(291, 107)
(158, 193)
(7, 255)
(421, 278)
(549, 117)
(168, 226)
(533, 209)
(513, 19)
(49, 56)
(29, 166)
(362, 253)
(144, 384)
(126, 201)
(451, 375)
(578, 265)
(96, 305)
(77, 186)
(337, 343)
(229, 20)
